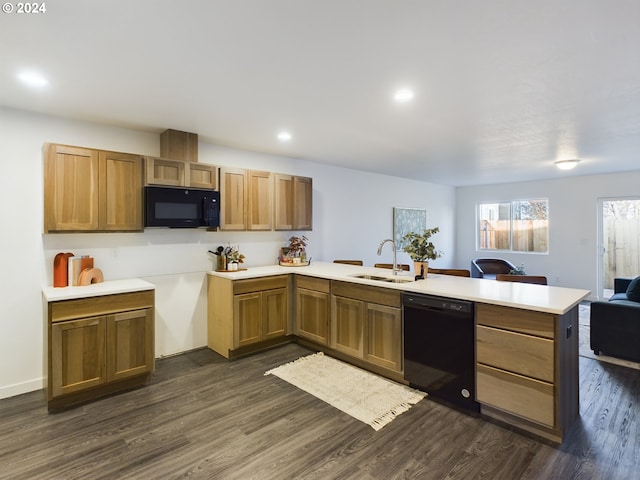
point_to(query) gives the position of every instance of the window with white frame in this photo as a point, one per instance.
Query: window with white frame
(517, 226)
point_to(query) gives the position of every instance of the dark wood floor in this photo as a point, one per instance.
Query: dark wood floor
(205, 417)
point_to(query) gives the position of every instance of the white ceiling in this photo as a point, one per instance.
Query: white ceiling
(502, 88)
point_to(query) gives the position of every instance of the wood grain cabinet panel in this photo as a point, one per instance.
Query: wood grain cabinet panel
(515, 352)
(527, 368)
(275, 315)
(520, 395)
(252, 313)
(303, 203)
(130, 344)
(293, 202)
(120, 192)
(203, 175)
(233, 199)
(347, 325)
(366, 323)
(77, 355)
(89, 356)
(312, 315)
(180, 173)
(164, 171)
(71, 189)
(384, 337)
(524, 321)
(247, 309)
(260, 201)
(91, 190)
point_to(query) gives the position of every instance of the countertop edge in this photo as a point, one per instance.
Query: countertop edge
(546, 299)
(111, 287)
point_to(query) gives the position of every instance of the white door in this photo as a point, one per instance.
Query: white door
(618, 240)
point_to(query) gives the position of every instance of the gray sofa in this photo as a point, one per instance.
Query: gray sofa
(615, 324)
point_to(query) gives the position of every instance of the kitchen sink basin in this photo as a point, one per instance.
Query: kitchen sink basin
(383, 279)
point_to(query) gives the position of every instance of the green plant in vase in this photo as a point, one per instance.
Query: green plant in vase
(421, 249)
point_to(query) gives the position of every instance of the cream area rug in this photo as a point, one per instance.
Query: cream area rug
(584, 349)
(369, 398)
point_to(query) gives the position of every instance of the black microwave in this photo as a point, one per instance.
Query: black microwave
(179, 207)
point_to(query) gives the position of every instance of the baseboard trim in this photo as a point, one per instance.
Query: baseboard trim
(20, 388)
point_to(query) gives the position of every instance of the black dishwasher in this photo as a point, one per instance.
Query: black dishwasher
(439, 349)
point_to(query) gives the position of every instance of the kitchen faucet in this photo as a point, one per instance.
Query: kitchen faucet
(393, 245)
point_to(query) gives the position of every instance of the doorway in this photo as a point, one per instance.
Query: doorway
(619, 241)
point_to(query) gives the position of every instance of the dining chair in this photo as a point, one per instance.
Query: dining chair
(349, 262)
(458, 272)
(505, 277)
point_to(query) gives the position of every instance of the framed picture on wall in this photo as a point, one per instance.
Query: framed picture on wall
(407, 220)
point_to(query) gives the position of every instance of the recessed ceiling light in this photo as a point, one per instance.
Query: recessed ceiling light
(284, 136)
(403, 95)
(33, 79)
(567, 164)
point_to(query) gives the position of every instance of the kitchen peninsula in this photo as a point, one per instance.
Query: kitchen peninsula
(526, 335)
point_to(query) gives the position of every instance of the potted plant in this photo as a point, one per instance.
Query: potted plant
(296, 251)
(518, 270)
(234, 257)
(421, 249)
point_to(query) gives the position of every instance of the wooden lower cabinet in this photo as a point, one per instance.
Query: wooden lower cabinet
(347, 325)
(313, 306)
(527, 369)
(245, 315)
(77, 355)
(384, 336)
(366, 324)
(368, 331)
(93, 355)
(130, 340)
(260, 316)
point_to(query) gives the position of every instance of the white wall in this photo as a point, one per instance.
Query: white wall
(573, 224)
(352, 214)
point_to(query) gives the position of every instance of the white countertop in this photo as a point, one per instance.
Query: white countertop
(542, 298)
(112, 287)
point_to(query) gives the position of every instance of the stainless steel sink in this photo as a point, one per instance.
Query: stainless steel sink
(383, 279)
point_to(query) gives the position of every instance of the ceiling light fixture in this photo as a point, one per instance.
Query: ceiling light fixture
(284, 136)
(567, 164)
(403, 95)
(33, 79)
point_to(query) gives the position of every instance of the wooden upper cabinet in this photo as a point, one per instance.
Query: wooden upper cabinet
(203, 175)
(283, 202)
(302, 200)
(247, 198)
(260, 201)
(120, 207)
(293, 202)
(91, 190)
(178, 173)
(70, 188)
(162, 171)
(233, 197)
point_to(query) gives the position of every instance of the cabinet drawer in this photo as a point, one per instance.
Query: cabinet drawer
(105, 304)
(313, 283)
(516, 319)
(515, 352)
(525, 397)
(260, 284)
(366, 293)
